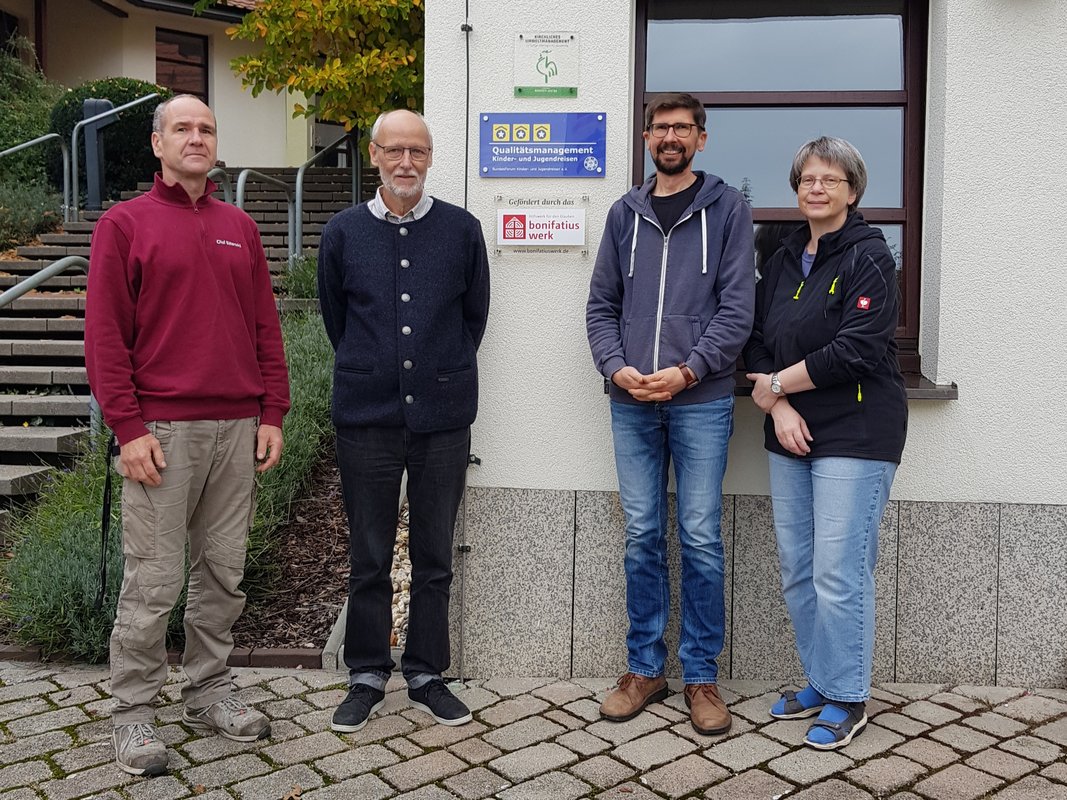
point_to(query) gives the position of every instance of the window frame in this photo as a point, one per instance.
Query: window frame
(911, 99)
(207, 59)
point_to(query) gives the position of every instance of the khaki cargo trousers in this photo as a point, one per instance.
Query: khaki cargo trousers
(206, 499)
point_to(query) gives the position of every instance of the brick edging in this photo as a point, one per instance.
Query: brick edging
(282, 657)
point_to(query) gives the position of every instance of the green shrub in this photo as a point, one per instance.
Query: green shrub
(128, 157)
(310, 358)
(26, 210)
(302, 277)
(27, 100)
(52, 579)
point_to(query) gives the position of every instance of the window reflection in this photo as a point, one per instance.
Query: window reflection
(845, 53)
(753, 148)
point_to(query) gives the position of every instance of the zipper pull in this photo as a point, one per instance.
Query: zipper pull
(859, 392)
(797, 295)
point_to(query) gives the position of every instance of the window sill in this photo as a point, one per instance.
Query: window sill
(918, 387)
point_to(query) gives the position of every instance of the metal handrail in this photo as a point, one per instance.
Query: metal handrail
(353, 163)
(42, 275)
(74, 142)
(242, 179)
(222, 177)
(66, 164)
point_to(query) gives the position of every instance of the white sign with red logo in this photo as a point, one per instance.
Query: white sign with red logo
(548, 227)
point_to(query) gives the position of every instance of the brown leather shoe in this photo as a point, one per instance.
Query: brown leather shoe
(707, 711)
(633, 693)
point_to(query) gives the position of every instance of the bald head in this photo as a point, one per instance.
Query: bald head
(189, 100)
(402, 118)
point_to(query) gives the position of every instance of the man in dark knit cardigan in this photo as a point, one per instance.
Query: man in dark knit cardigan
(404, 289)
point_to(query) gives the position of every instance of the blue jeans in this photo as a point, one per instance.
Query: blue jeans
(647, 438)
(826, 516)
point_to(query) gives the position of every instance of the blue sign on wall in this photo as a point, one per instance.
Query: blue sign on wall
(542, 145)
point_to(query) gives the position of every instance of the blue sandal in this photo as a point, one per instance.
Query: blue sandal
(807, 703)
(837, 725)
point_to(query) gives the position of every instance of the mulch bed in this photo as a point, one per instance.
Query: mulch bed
(301, 608)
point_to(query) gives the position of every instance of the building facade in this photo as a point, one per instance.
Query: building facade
(162, 42)
(955, 105)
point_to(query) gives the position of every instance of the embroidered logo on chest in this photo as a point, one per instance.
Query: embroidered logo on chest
(864, 304)
(228, 243)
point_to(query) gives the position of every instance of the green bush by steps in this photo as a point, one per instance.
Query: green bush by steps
(27, 100)
(128, 157)
(301, 277)
(26, 211)
(51, 582)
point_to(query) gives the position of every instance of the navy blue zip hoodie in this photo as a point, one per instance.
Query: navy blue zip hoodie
(659, 298)
(840, 321)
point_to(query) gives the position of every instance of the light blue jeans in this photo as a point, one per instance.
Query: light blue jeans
(648, 437)
(826, 516)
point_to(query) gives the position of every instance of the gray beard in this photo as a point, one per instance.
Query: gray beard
(406, 193)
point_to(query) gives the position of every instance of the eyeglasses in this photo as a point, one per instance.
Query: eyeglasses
(418, 154)
(829, 182)
(681, 129)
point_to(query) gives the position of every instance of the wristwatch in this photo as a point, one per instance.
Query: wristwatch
(688, 374)
(776, 384)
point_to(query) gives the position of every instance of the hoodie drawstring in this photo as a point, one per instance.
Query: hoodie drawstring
(633, 243)
(704, 241)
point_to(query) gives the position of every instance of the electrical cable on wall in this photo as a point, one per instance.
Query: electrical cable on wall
(466, 27)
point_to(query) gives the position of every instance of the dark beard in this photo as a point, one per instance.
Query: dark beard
(672, 169)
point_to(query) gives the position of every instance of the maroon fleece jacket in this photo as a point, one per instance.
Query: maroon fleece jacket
(180, 319)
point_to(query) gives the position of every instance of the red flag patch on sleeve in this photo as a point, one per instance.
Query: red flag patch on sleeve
(864, 304)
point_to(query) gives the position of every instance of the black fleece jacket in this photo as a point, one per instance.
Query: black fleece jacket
(840, 321)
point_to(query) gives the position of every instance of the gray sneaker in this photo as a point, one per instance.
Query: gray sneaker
(231, 717)
(138, 750)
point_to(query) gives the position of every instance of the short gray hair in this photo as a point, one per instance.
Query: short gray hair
(837, 152)
(381, 118)
(161, 109)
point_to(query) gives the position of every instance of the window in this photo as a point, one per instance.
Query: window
(773, 74)
(181, 62)
(9, 29)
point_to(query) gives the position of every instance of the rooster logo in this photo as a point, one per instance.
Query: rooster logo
(546, 66)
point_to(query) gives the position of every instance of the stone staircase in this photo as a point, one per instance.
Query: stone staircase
(44, 393)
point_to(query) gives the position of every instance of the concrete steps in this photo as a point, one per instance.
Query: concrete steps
(43, 376)
(44, 405)
(55, 327)
(73, 280)
(42, 439)
(21, 479)
(44, 348)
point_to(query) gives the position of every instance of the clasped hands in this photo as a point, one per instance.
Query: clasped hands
(655, 388)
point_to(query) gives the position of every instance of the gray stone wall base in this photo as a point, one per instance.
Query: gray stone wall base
(972, 593)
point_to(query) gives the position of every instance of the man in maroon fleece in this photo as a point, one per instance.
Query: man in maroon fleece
(184, 353)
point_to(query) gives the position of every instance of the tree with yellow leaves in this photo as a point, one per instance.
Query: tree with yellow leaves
(351, 59)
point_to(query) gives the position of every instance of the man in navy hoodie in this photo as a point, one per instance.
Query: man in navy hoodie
(670, 307)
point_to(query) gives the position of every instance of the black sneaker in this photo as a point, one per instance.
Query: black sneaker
(436, 700)
(356, 708)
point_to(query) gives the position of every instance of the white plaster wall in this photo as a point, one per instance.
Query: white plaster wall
(994, 320)
(86, 42)
(543, 418)
(993, 317)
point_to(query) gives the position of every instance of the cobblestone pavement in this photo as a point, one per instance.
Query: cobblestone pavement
(534, 739)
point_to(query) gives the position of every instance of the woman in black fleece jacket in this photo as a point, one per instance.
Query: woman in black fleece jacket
(824, 363)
